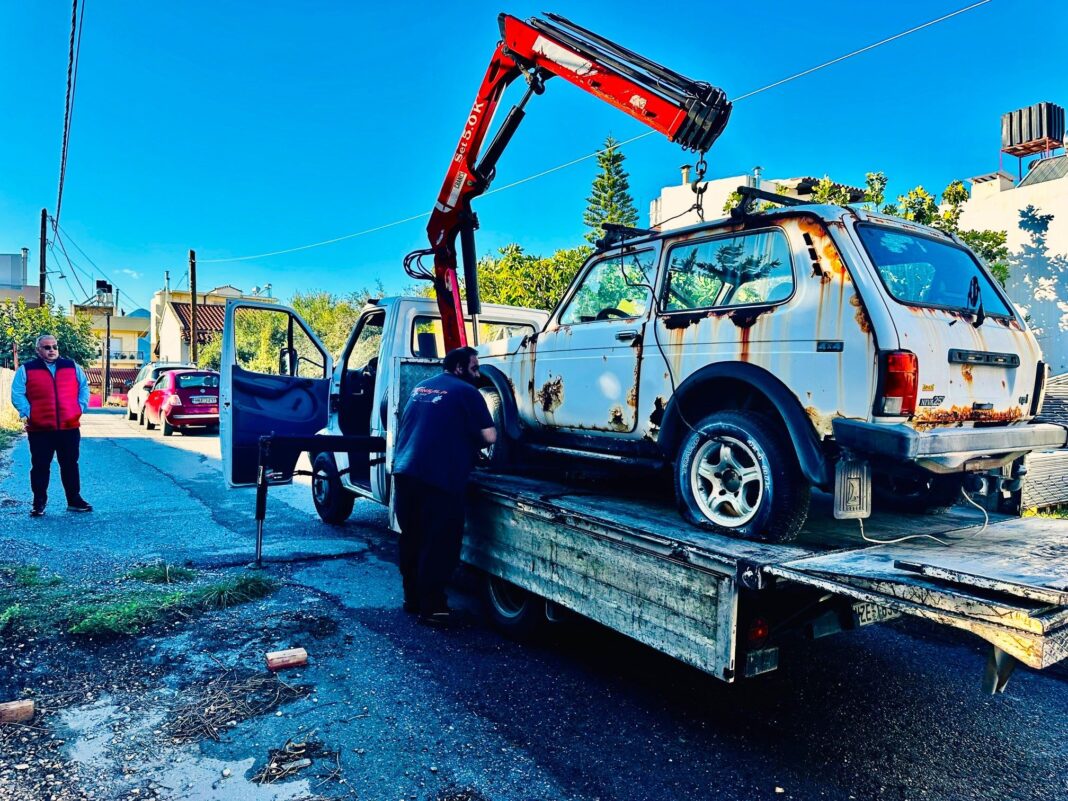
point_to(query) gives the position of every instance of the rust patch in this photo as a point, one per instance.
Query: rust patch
(616, 419)
(551, 395)
(863, 321)
(657, 416)
(632, 397)
(745, 318)
(744, 353)
(966, 371)
(675, 320)
(928, 418)
(1003, 384)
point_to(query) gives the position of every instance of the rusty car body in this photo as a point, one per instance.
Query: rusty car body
(757, 353)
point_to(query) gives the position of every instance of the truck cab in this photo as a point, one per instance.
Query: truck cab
(308, 392)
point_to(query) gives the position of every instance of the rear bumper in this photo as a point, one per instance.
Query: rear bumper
(180, 420)
(948, 449)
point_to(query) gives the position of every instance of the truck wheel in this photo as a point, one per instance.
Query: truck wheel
(499, 454)
(736, 473)
(332, 501)
(513, 610)
(930, 495)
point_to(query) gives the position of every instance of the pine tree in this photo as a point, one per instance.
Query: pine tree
(610, 200)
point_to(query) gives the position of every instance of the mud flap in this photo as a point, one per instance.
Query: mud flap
(852, 489)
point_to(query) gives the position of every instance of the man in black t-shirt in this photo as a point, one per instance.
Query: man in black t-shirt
(444, 425)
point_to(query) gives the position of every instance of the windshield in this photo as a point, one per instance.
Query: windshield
(926, 272)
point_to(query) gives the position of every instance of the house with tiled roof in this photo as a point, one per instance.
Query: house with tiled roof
(172, 320)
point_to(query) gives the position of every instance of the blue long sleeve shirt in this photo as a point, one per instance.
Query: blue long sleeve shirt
(22, 403)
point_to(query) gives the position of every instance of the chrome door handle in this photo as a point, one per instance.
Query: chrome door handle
(628, 333)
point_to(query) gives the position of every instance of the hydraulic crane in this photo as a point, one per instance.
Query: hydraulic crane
(691, 113)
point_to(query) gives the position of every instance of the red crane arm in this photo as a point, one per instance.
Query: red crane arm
(691, 113)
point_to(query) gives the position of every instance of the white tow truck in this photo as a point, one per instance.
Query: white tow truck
(619, 553)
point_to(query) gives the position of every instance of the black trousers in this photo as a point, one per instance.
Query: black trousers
(431, 521)
(64, 445)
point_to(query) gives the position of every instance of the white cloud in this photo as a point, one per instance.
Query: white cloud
(131, 273)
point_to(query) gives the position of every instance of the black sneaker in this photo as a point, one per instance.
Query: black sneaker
(79, 506)
(37, 510)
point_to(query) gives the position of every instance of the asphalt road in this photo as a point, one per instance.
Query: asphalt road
(889, 712)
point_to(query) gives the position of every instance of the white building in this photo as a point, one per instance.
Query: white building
(1038, 274)
(171, 323)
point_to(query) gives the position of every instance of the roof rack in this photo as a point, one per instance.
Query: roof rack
(616, 234)
(750, 194)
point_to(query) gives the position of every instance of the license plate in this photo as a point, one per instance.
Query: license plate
(865, 613)
(205, 399)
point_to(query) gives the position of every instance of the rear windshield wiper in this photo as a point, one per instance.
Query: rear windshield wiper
(975, 300)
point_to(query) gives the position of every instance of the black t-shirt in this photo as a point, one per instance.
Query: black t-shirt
(441, 432)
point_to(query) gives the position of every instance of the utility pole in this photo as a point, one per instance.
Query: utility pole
(44, 243)
(107, 359)
(193, 307)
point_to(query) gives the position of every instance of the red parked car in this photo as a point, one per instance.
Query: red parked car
(183, 399)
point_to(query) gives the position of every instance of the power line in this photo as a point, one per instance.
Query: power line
(862, 50)
(95, 265)
(72, 84)
(580, 159)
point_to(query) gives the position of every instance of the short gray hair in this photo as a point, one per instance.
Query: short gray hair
(37, 344)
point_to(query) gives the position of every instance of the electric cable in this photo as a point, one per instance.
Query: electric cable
(972, 535)
(96, 267)
(72, 84)
(596, 153)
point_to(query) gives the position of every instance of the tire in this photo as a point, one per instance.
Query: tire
(130, 414)
(141, 417)
(332, 501)
(514, 611)
(168, 429)
(761, 494)
(149, 425)
(930, 495)
(499, 454)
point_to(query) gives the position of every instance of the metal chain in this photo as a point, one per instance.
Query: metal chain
(698, 189)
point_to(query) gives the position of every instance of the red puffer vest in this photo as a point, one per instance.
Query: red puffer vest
(53, 401)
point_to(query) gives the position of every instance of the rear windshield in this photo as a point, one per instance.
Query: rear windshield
(428, 340)
(194, 380)
(158, 371)
(926, 272)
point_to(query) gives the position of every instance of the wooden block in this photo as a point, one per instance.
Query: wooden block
(290, 658)
(16, 711)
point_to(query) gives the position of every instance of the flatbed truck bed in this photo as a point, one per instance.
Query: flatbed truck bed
(626, 559)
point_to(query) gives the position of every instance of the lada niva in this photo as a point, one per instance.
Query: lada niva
(759, 355)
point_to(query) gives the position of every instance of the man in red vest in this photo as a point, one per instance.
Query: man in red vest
(51, 393)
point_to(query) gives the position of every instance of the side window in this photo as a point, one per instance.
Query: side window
(368, 343)
(615, 287)
(274, 343)
(161, 383)
(729, 271)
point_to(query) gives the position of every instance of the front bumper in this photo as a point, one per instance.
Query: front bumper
(945, 450)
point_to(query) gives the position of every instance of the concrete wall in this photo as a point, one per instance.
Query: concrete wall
(171, 346)
(6, 377)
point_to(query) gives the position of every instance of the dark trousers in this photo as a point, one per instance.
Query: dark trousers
(64, 445)
(431, 521)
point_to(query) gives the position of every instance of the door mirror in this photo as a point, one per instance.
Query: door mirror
(287, 361)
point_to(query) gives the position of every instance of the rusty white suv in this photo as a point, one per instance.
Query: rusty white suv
(768, 353)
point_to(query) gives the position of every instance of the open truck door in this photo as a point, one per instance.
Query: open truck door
(285, 391)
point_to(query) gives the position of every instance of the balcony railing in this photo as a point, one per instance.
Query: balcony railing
(123, 355)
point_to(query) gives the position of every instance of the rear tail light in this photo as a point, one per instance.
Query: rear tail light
(899, 381)
(757, 633)
(174, 400)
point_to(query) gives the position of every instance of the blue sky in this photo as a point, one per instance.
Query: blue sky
(240, 128)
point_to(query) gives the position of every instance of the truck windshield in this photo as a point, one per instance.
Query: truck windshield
(921, 271)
